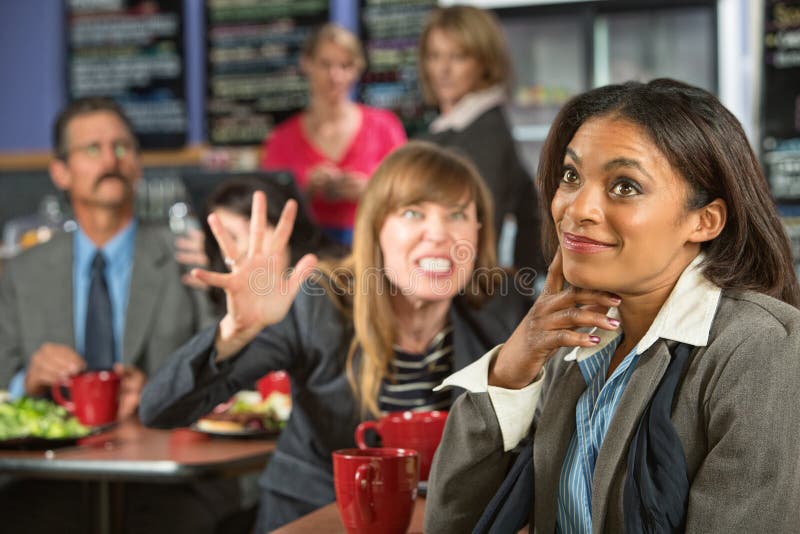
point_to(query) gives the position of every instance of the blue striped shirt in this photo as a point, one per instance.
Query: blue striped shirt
(593, 415)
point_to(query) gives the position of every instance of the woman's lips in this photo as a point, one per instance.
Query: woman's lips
(582, 245)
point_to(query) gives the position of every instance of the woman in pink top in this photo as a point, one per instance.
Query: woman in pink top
(333, 145)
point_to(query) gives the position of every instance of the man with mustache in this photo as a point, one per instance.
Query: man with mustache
(45, 307)
(48, 312)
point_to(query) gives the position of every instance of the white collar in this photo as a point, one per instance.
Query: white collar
(470, 107)
(686, 316)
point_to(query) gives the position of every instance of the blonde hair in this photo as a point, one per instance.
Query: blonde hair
(333, 33)
(417, 172)
(479, 34)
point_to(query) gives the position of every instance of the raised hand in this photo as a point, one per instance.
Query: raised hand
(259, 291)
(550, 325)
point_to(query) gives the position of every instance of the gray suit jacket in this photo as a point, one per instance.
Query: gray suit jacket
(736, 411)
(36, 303)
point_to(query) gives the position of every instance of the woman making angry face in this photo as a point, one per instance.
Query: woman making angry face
(664, 351)
(429, 249)
(419, 297)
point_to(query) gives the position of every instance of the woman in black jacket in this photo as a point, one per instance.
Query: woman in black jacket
(465, 71)
(421, 285)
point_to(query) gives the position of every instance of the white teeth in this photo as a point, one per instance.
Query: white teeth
(438, 265)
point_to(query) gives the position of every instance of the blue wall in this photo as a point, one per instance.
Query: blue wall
(32, 72)
(33, 68)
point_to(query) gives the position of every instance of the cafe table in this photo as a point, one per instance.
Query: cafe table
(130, 452)
(327, 520)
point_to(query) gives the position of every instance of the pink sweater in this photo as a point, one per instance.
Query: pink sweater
(287, 147)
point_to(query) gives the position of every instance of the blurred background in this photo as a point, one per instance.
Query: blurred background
(205, 80)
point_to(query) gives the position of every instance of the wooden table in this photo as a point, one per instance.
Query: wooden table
(327, 520)
(130, 452)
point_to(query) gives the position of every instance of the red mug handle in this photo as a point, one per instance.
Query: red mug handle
(364, 476)
(55, 389)
(362, 428)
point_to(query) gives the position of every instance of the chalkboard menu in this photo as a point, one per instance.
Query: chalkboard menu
(781, 98)
(390, 31)
(131, 50)
(253, 65)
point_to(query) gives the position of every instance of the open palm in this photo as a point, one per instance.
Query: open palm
(259, 290)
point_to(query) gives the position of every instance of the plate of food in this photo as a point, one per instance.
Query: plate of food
(29, 423)
(247, 415)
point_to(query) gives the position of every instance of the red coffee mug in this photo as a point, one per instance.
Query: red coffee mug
(375, 489)
(93, 397)
(420, 431)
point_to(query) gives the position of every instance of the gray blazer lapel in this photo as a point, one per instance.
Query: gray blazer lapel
(614, 450)
(151, 256)
(554, 429)
(54, 283)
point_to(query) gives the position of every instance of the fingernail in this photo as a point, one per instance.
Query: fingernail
(594, 339)
(616, 298)
(613, 322)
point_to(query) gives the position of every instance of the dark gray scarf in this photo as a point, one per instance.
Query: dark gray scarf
(656, 488)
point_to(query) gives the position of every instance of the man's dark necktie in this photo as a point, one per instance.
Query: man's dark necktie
(99, 342)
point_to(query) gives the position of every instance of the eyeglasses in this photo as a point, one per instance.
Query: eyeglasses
(121, 148)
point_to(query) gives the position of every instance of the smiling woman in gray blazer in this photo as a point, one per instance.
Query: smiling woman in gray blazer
(657, 374)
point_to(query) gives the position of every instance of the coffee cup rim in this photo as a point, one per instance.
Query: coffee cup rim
(410, 415)
(102, 374)
(375, 453)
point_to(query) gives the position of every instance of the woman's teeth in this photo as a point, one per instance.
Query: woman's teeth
(438, 265)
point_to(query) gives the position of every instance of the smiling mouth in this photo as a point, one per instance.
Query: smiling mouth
(582, 245)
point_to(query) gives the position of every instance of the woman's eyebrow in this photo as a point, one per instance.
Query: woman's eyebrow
(626, 163)
(571, 153)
